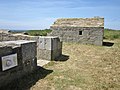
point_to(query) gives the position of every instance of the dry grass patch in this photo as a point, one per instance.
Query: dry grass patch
(82, 67)
(88, 68)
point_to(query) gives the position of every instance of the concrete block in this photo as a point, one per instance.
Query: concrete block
(26, 59)
(41, 43)
(5, 50)
(49, 45)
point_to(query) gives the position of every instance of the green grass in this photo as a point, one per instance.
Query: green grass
(108, 33)
(88, 67)
(38, 32)
(111, 34)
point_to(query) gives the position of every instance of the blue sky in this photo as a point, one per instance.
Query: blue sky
(40, 14)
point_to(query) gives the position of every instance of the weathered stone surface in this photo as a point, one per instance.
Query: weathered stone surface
(79, 22)
(4, 31)
(47, 43)
(5, 50)
(26, 57)
(49, 54)
(81, 30)
(49, 48)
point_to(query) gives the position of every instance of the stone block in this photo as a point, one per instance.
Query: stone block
(47, 46)
(5, 50)
(26, 58)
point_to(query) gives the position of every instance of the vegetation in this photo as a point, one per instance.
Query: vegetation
(88, 67)
(108, 33)
(111, 34)
(38, 32)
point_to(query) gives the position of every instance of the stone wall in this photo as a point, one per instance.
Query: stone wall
(80, 30)
(9, 37)
(26, 59)
(89, 35)
(4, 31)
(42, 53)
(27, 51)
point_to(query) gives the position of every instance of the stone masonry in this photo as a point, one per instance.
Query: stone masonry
(25, 60)
(50, 49)
(4, 31)
(80, 30)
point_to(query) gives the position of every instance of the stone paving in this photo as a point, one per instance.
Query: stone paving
(42, 62)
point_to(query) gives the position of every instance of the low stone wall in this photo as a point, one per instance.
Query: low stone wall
(17, 58)
(4, 31)
(9, 37)
(27, 51)
(42, 53)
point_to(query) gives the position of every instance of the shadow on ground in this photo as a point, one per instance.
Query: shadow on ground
(109, 44)
(62, 58)
(27, 81)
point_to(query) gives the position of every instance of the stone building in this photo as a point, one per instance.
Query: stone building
(80, 30)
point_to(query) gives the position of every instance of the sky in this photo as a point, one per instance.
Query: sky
(40, 14)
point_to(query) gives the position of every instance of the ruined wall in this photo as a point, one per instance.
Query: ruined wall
(42, 51)
(4, 31)
(10, 37)
(80, 30)
(28, 52)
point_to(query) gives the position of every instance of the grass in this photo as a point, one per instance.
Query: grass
(88, 67)
(38, 32)
(108, 33)
(111, 34)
